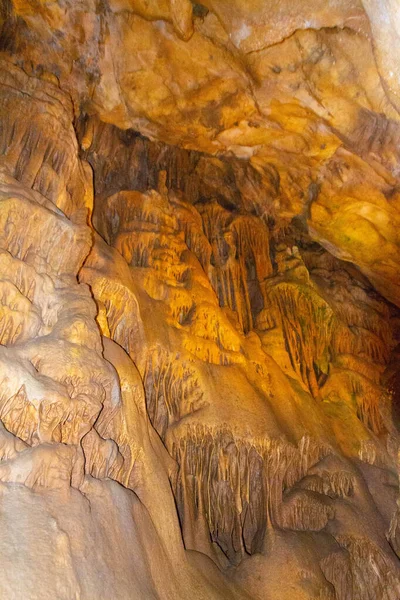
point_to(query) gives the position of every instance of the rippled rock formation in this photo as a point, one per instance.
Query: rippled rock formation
(199, 301)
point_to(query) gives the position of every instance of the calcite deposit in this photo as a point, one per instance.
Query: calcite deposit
(199, 300)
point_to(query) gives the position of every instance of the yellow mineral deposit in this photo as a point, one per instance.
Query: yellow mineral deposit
(199, 300)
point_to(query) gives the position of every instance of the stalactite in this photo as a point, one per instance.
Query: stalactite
(191, 224)
(306, 512)
(360, 342)
(307, 322)
(240, 261)
(172, 389)
(102, 457)
(239, 484)
(366, 397)
(335, 484)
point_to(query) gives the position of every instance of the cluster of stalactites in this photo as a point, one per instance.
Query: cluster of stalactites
(337, 338)
(237, 486)
(172, 389)
(322, 328)
(240, 261)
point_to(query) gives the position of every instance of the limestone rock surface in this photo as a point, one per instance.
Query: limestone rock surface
(199, 300)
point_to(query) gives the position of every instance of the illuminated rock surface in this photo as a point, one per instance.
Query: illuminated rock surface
(199, 300)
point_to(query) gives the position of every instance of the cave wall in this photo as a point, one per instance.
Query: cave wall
(199, 324)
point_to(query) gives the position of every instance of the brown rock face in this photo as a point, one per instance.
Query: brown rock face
(199, 300)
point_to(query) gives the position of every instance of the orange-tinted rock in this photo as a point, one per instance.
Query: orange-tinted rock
(199, 336)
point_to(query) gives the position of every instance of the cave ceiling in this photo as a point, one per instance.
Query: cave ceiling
(306, 94)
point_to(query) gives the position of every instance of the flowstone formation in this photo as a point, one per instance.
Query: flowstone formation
(199, 300)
